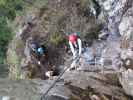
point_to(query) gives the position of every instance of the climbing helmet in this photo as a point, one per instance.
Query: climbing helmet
(40, 50)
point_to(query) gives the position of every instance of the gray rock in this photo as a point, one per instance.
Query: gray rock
(32, 90)
(126, 53)
(88, 54)
(126, 79)
(126, 25)
(114, 11)
(111, 55)
(95, 81)
(55, 98)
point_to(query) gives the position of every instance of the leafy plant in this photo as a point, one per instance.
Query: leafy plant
(5, 37)
(56, 39)
(8, 11)
(10, 8)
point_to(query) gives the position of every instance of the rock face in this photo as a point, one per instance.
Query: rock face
(119, 14)
(125, 77)
(19, 90)
(68, 16)
(31, 90)
(86, 83)
(91, 80)
(125, 27)
(126, 80)
(117, 11)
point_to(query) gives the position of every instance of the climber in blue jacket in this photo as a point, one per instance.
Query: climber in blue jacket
(38, 50)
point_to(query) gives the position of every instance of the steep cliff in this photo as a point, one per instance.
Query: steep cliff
(104, 70)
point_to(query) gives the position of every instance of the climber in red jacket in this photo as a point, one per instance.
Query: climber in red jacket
(75, 44)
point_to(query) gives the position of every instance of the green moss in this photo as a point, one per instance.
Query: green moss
(19, 45)
(13, 61)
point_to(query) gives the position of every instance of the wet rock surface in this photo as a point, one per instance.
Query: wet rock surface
(126, 80)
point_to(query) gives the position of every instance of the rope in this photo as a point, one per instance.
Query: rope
(54, 83)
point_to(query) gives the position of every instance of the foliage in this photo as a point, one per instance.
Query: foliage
(85, 3)
(8, 11)
(94, 33)
(10, 8)
(56, 39)
(5, 37)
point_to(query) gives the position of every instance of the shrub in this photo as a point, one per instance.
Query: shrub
(8, 11)
(5, 37)
(94, 32)
(56, 39)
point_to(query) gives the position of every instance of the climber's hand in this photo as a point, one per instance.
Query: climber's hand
(39, 63)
